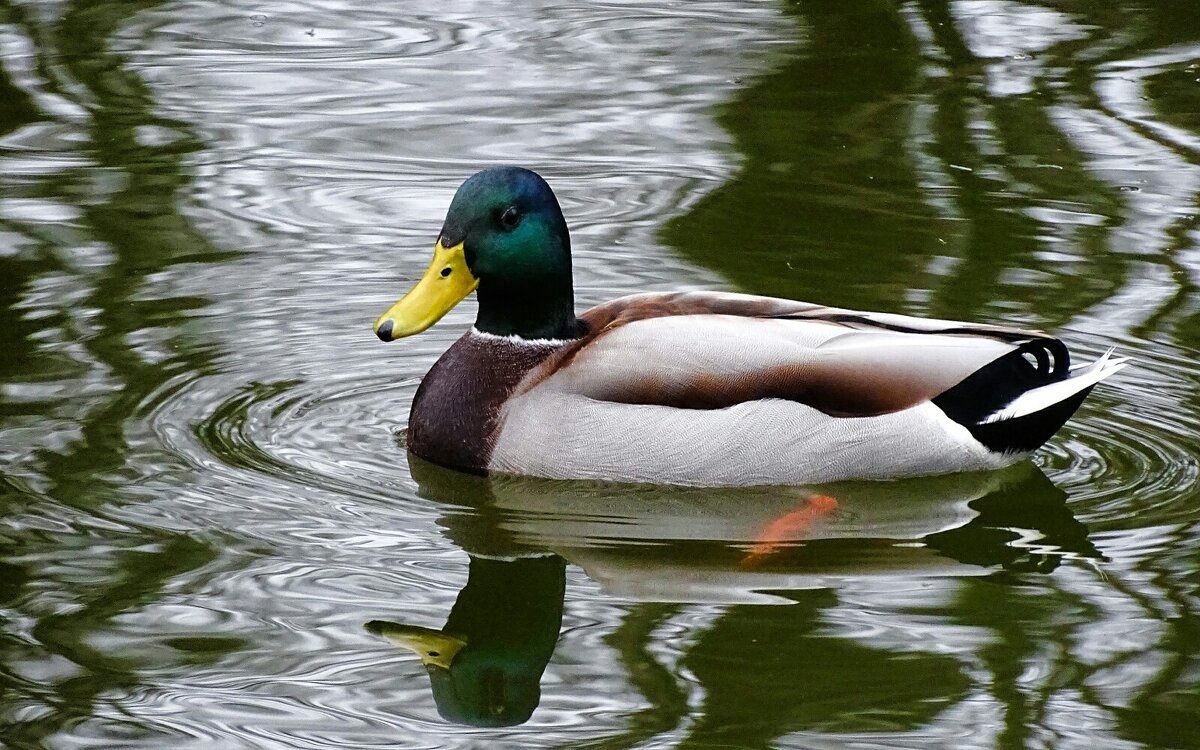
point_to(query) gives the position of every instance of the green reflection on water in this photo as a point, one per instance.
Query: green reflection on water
(771, 671)
(865, 178)
(825, 204)
(134, 215)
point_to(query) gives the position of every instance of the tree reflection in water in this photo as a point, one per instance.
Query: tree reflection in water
(97, 379)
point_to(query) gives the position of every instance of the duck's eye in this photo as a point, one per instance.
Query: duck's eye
(510, 218)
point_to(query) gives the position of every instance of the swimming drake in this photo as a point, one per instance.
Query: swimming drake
(703, 388)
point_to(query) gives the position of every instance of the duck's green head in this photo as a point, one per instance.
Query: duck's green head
(504, 236)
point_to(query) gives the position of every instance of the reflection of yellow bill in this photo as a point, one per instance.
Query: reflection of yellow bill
(436, 649)
(445, 283)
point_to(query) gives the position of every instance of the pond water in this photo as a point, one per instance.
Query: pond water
(205, 500)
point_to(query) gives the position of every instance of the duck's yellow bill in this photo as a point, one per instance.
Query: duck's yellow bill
(445, 283)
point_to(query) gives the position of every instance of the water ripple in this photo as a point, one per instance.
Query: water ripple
(1127, 458)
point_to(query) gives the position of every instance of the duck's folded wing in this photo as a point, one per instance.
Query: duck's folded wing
(841, 363)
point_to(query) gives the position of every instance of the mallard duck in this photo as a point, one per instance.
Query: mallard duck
(703, 388)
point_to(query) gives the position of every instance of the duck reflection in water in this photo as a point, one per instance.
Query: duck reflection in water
(486, 664)
(746, 546)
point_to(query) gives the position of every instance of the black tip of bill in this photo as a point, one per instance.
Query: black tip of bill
(384, 331)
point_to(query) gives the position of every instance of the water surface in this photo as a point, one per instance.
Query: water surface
(204, 205)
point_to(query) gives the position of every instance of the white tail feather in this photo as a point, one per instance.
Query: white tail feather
(1082, 376)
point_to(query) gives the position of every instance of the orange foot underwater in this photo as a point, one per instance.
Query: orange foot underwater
(787, 527)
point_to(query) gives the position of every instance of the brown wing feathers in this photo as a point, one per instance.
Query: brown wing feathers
(841, 384)
(825, 388)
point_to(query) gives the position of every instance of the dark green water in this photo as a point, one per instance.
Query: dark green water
(204, 205)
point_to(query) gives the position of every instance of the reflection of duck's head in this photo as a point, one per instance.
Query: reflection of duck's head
(486, 664)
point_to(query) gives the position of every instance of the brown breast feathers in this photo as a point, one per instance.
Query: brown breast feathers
(454, 412)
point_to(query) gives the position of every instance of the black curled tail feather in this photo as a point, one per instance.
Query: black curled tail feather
(1033, 364)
